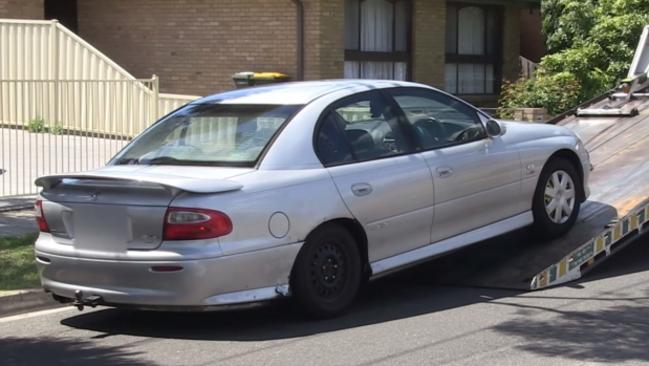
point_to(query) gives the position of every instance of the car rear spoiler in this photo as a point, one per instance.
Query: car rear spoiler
(140, 180)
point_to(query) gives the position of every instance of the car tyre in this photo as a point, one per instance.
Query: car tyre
(327, 273)
(556, 200)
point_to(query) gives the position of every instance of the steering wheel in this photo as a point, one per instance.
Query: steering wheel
(430, 129)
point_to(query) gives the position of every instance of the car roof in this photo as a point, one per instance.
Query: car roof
(299, 93)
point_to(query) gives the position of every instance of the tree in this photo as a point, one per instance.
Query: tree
(591, 40)
(566, 22)
(556, 93)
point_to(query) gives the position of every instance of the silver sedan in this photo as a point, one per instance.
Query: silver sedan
(299, 189)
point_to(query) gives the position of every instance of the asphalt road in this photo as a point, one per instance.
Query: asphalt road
(408, 319)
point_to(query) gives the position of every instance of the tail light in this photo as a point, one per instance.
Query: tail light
(191, 224)
(40, 217)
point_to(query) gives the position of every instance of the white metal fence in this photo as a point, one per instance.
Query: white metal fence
(53, 126)
(46, 50)
(64, 105)
(121, 107)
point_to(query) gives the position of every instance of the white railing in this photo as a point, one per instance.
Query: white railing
(65, 106)
(55, 126)
(171, 102)
(528, 67)
(46, 50)
(35, 53)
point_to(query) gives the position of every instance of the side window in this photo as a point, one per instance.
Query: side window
(363, 128)
(332, 147)
(371, 128)
(439, 120)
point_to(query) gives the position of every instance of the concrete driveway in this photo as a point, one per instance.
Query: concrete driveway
(410, 319)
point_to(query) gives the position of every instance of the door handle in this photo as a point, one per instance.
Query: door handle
(361, 189)
(444, 172)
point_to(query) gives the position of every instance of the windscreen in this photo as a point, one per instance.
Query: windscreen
(208, 134)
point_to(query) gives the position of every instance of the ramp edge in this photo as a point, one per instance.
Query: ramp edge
(601, 246)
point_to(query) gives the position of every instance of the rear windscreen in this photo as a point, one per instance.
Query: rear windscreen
(208, 134)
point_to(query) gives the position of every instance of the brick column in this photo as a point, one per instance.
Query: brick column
(324, 39)
(511, 43)
(429, 41)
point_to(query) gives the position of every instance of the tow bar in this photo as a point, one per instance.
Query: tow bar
(80, 302)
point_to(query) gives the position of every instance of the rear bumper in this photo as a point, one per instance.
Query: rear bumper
(200, 284)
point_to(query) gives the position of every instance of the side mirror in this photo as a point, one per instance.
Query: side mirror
(494, 128)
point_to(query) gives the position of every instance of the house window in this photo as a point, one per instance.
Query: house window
(377, 39)
(63, 10)
(473, 48)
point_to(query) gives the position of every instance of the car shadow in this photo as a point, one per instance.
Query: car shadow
(380, 301)
(401, 296)
(510, 261)
(57, 351)
(613, 334)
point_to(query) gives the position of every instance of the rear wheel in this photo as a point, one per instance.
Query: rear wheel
(327, 272)
(556, 200)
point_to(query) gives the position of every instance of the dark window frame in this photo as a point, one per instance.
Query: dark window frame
(356, 55)
(65, 11)
(495, 59)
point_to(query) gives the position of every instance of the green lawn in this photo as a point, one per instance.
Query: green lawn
(17, 264)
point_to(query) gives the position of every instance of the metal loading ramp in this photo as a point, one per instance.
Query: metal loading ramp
(615, 213)
(619, 200)
(615, 130)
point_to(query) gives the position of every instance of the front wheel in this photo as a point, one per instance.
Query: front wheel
(556, 200)
(327, 272)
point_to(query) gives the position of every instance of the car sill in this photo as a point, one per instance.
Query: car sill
(386, 266)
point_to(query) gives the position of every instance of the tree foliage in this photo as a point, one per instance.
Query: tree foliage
(566, 22)
(592, 40)
(556, 93)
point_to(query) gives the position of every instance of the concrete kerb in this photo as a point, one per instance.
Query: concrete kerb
(22, 301)
(16, 203)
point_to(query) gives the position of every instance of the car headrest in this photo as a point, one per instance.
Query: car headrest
(360, 140)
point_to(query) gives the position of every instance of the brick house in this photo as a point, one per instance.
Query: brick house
(466, 47)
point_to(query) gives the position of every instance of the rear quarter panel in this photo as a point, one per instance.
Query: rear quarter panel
(307, 198)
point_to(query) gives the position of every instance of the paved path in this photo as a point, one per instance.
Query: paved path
(405, 320)
(15, 202)
(17, 223)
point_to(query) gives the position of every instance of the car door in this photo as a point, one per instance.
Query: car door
(477, 178)
(370, 158)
